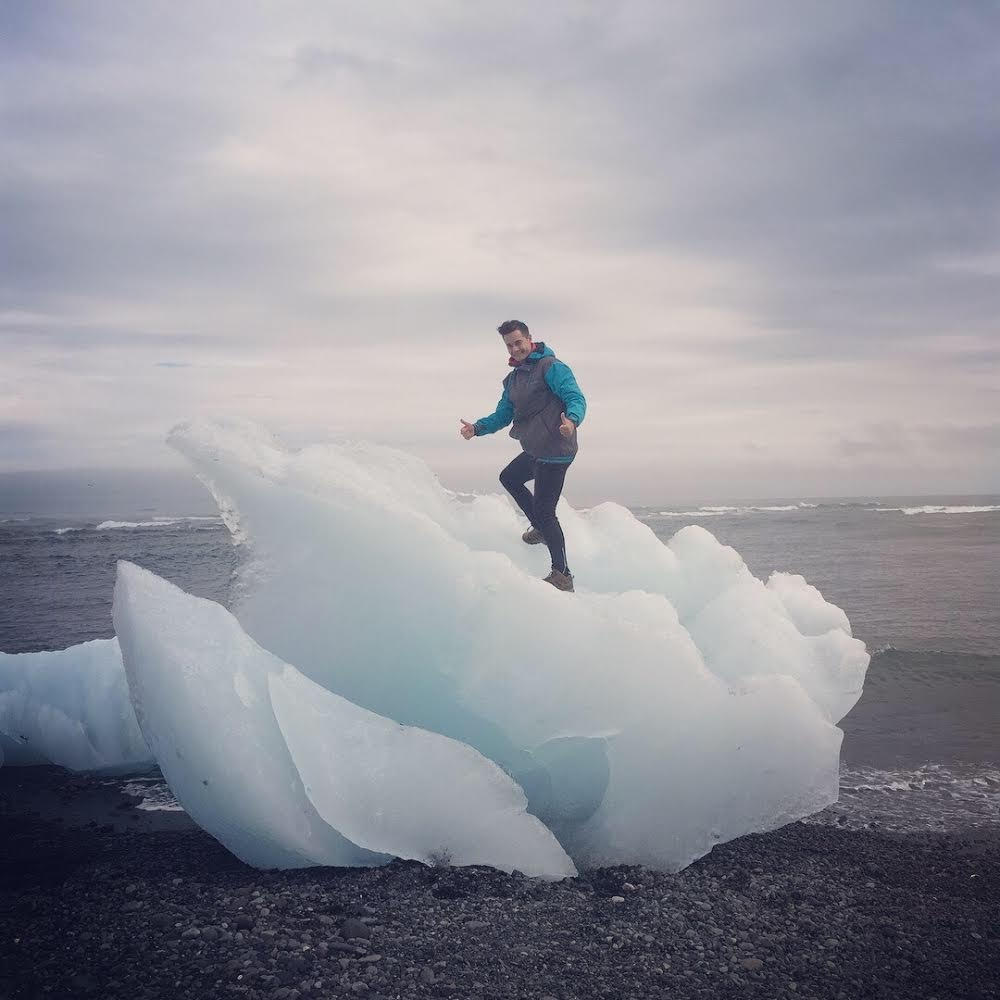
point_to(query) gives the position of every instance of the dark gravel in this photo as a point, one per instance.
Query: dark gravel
(112, 910)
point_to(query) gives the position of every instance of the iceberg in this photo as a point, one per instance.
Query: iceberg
(674, 703)
(287, 774)
(70, 707)
(394, 679)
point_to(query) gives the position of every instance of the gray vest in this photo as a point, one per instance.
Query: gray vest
(537, 410)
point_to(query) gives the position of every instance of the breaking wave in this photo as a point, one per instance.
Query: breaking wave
(156, 522)
(927, 798)
(876, 506)
(939, 509)
(720, 511)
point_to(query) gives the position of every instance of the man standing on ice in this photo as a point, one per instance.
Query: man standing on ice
(542, 399)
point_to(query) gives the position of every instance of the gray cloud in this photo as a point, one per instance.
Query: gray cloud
(883, 439)
(976, 439)
(764, 235)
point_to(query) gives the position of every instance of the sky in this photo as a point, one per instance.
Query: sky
(764, 235)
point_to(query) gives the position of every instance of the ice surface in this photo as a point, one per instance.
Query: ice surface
(806, 607)
(673, 702)
(69, 707)
(405, 791)
(286, 774)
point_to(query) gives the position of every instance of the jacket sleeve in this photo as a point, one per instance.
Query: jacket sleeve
(559, 378)
(499, 418)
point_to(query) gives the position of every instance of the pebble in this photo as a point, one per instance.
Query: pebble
(617, 900)
(339, 946)
(776, 897)
(354, 928)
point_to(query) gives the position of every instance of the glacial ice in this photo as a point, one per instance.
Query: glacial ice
(675, 701)
(387, 632)
(287, 774)
(69, 707)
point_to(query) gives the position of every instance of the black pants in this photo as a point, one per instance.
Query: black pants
(539, 509)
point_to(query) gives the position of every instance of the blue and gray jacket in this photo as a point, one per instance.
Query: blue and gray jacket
(535, 395)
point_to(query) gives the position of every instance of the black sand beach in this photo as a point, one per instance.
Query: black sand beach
(100, 899)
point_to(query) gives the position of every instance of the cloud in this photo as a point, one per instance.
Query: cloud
(772, 224)
(887, 439)
(977, 439)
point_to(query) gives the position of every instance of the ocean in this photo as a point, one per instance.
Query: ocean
(917, 576)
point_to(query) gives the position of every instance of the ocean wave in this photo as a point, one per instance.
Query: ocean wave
(691, 513)
(954, 778)
(930, 797)
(76, 527)
(157, 522)
(730, 511)
(939, 509)
(885, 647)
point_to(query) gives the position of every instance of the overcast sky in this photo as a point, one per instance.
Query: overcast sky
(765, 236)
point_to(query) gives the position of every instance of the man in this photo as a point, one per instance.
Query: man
(542, 399)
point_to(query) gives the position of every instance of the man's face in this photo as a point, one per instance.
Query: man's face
(518, 345)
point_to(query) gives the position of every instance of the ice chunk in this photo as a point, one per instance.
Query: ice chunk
(806, 606)
(705, 711)
(406, 791)
(70, 707)
(222, 715)
(199, 686)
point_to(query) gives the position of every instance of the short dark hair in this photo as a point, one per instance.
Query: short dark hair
(513, 326)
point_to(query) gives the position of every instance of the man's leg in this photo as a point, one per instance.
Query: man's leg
(549, 478)
(513, 478)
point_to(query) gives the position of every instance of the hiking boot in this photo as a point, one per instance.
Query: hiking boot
(533, 536)
(561, 581)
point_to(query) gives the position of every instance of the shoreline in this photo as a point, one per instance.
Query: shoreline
(99, 901)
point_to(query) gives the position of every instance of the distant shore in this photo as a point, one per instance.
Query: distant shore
(102, 900)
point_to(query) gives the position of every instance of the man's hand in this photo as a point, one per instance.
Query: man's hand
(566, 426)
(468, 430)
